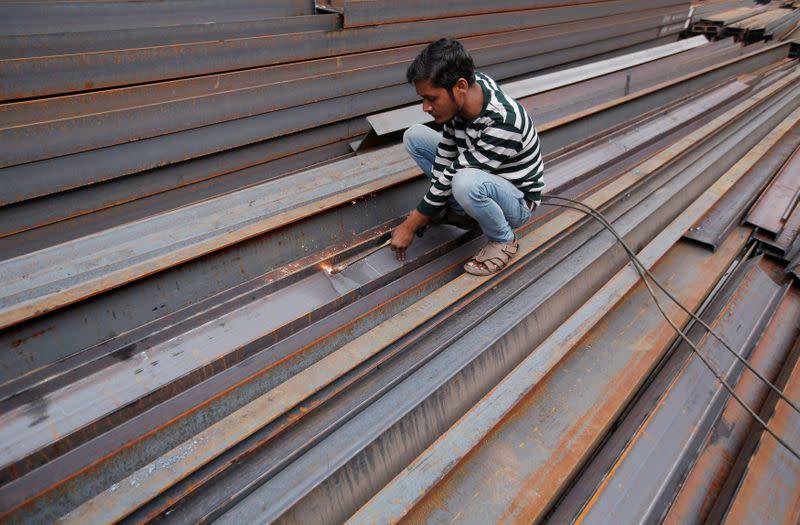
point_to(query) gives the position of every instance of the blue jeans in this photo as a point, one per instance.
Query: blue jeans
(494, 202)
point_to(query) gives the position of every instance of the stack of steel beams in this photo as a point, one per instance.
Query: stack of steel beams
(201, 365)
(776, 214)
(747, 23)
(116, 111)
(770, 24)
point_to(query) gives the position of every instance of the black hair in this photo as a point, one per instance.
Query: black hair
(442, 63)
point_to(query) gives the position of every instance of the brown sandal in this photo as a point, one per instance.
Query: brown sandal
(492, 258)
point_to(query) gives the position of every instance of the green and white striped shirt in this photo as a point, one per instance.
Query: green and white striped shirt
(502, 140)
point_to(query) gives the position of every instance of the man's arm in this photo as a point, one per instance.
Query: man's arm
(403, 235)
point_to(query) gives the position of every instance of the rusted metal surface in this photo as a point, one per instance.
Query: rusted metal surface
(712, 228)
(39, 76)
(399, 119)
(240, 234)
(770, 211)
(21, 302)
(714, 464)
(516, 469)
(396, 120)
(426, 311)
(300, 410)
(159, 32)
(641, 484)
(770, 489)
(429, 469)
(386, 12)
(165, 188)
(156, 134)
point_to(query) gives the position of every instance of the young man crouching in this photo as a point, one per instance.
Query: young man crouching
(485, 167)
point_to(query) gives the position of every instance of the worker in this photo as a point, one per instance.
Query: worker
(485, 167)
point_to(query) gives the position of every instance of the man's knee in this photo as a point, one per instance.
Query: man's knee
(411, 136)
(467, 185)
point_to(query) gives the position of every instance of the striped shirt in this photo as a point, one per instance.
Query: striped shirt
(502, 140)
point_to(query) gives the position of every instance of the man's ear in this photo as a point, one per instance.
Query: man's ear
(462, 83)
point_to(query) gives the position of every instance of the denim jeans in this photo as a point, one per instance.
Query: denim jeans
(493, 201)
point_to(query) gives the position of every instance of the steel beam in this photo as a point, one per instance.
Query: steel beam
(714, 464)
(39, 76)
(760, 496)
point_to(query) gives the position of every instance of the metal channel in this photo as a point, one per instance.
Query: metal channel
(258, 162)
(225, 125)
(379, 12)
(521, 464)
(55, 17)
(157, 33)
(642, 483)
(759, 497)
(768, 213)
(402, 493)
(49, 338)
(40, 76)
(712, 228)
(713, 466)
(355, 347)
(305, 509)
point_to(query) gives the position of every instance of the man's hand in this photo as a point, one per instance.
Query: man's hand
(403, 235)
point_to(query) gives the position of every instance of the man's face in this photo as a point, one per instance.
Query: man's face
(438, 101)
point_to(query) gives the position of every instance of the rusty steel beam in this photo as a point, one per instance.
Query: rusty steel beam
(413, 313)
(159, 32)
(642, 483)
(43, 471)
(530, 454)
(702, 486)
(381, 81)
(228, 171)
(713, 227)
(358, 13)
(396, 120)
(770, 211)
(39, 76)
(123, 500)
(19, 304)
(23, 18)
(762, 496)
(399, 497)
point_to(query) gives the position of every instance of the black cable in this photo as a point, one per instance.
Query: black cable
(607, 224)
(643, 273)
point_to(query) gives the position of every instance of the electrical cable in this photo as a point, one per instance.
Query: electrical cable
(643, 272)
(714, 334)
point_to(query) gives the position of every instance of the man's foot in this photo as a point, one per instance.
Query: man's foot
(492, 258)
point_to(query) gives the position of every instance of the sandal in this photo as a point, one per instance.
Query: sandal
(492, 258)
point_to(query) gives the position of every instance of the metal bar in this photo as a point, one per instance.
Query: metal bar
(395, 500)
(399, 119)
(302, 502)
(377, 12)
(713, 227)
(95, 130)
(41, 76)
(248, 164)
(417, 313)
(18, 18)
(713, 466)
(759, 496)
(46, 475)
(158, 32)
(768, 212)
(684, 416)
